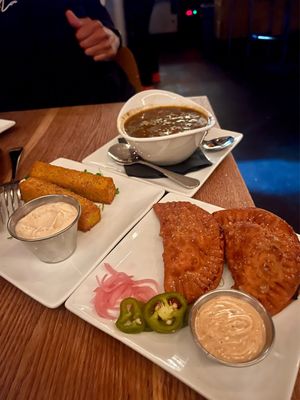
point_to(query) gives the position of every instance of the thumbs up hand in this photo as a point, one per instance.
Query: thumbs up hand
(96, 40)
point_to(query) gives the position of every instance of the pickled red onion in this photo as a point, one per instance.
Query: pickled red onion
(116, 286)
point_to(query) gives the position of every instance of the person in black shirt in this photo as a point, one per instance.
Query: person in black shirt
(142, 44)
(58, 53)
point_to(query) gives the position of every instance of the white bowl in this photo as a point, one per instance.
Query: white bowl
(163, 150)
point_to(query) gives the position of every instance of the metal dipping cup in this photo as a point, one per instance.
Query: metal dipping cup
(266, 318)
(51, 249)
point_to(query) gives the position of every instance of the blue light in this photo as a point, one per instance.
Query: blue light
(271, 176)
(263, 37)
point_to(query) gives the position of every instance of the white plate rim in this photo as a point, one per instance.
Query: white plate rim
(6, 124)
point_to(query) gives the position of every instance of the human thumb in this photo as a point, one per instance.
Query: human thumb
(73, 20)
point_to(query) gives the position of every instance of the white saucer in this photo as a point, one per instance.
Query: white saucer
(100, 158)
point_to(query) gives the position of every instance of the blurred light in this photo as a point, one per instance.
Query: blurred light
(263, 37)
(189, 13)
(195, 12)
(273, 177)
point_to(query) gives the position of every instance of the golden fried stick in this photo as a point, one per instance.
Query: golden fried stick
(32, 188)
(263, 254)
(193, 249)
(96, 188)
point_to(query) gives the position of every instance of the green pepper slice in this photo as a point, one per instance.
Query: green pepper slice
(165, 312)
(131, 318)
(187, 315)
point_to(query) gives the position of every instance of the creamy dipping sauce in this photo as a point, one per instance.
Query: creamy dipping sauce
(230, 329)
(164, 121)
(46, 220)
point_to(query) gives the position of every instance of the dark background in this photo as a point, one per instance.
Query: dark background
(253, 86)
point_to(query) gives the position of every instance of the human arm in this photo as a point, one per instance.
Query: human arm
(97, 41)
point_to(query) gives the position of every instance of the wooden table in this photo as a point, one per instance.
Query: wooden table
(52, 354)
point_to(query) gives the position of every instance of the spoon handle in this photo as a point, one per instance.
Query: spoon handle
(185, 181)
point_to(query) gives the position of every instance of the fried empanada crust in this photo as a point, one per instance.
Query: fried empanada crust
(262, 252)
(193, 249)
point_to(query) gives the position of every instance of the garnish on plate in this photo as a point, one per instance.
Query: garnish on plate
(163, 313)
(131, 318)
(116, 286)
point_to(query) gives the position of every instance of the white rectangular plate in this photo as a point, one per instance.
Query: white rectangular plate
(100, 157)
(140, 254)
(51, 284)
(6, 124)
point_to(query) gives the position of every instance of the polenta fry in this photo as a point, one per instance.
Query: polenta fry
(32, 188)
(96, 188)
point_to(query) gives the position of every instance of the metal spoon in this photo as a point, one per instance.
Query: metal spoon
(124, 154)
(219, 143)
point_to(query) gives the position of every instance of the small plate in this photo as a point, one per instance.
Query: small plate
(100, 157)
(6, 124)
(140, 254)
(51, 284)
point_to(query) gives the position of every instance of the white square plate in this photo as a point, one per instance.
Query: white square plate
(6, 124)
(100, 157)
(51, 284)
(140, 254)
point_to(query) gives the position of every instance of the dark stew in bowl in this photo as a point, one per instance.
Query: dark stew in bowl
(164, 121)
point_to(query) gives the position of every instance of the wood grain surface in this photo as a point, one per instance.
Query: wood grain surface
(52, 354)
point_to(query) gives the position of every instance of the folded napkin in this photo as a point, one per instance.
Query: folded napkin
(195, 162)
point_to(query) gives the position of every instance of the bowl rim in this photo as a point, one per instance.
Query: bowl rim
(266, 317)
(54, 198)
(122, 116)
